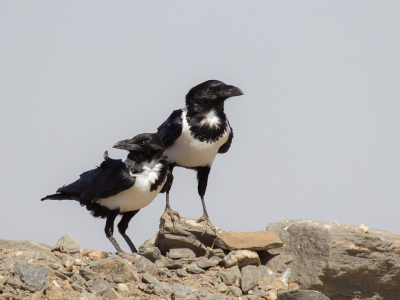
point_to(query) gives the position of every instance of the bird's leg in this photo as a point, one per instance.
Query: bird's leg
(202, 177)
(168, 212)
(123, 225)
(109, 229)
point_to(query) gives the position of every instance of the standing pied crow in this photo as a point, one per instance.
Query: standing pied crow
(194, 135)
(122, 187)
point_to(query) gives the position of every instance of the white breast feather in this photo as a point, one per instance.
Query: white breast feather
(189, 152)
(139, 195)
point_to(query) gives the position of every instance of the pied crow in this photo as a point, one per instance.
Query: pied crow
(122, 187)
(194, 135)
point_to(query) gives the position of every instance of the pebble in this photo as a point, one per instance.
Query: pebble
(122, 287)
(181, 273)
(180, 253)
(147, 278)
(237, 292)
(194, 269)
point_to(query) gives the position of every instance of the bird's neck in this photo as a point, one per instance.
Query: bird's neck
(197, 109)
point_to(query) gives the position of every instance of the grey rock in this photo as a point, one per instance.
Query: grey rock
(301, 295)
(144, 265)
(231, 276)
(339, 260)
(215, 252)
(33, 276)
(205, 264)
(222, 288)
(162, 289)
(194, 269)
(88, 275)
(24, 245)
(237, 292)
(77, 287)
(99, 287)
(15, 282)
(151, 253)
(250, 277)
(110, 294)
(67, 244)
(181, 292)
(184, 233)
(251, 297)
(241, 258)
(87, 296)
(79, 279)
(172, 264)
(259, 293)
(188, 261)
(180, 253)
(213, 297)
(181, 273)
(117, 268)
(267, 275)
(146, 278)
(203, 293)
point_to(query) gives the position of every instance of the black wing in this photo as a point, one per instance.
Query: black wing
(171, 129)
(111, 178)
(225, 147)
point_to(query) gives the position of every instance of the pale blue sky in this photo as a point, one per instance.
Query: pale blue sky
(316, 133)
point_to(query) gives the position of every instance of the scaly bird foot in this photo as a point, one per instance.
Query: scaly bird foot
(206, 222)
(170, 213)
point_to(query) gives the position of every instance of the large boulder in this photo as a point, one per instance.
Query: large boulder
(341, 261)
(184, 233)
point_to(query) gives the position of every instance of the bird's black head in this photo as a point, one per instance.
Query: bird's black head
(211, 93)
(143, 147)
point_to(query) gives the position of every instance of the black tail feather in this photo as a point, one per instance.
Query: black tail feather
(60, 196)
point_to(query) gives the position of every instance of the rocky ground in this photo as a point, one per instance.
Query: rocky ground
(291, 260)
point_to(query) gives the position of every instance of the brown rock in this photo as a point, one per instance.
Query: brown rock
(241, 258)
(95, 254)
(240, 240)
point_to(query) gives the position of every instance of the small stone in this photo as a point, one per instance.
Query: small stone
(180, 253)
(162, 289)
(79, 279)
(241, 258)
(68, 263)
(203, 293)
(146, 278)
(182, 292)
(110, 294)
(363, 228)
(250, 277)
(231, 276)
(122, 287)
(33, 276)
(151, 253)
(205, 264)
(237, 292)
(56, 283)
(99, 287)
(88, 275)
(272, 296)
(181, 273)
(222, 288)
(15, 282)
(172, 264)
(213, 297)
(144, 265)
(259, 293)
(194, 269)
(293, 286)
(67, 244)
(77, 287)
(116, 267)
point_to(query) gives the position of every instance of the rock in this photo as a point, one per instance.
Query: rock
(267, 275)
(222, 288)
(213, 297)
(15, 282)
(79, 279)
(162, 289)
(255, 240)
(23, 245)
(237, 292)
(241, 258)
(194, 269)
(95, 254)
(88, 275)
(181, 273)
(34, 277)
(122, 287)
(339, 260)
(300, 295)
(87, 296)
(151, 253)
(215, 252)
(180, 253)
(116, 267)
(110, 294)
(184, 233)
(146, 278)
(99, 287)
(231, 276)
(182, 292)
(205, 264)
(250, 277)
(144, 265)
(67, 244)
(77, 287)
(172, 264)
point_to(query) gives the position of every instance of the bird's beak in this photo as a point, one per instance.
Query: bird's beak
(230, 91)
(127, 145)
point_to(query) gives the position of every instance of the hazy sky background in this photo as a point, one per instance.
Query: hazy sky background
(316, 133)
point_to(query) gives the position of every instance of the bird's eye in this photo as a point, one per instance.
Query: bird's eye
(142, 143)
(211, 89)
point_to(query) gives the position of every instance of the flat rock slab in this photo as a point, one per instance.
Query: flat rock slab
(67, 244)
(33, 276)
(255, 240)
(23, 245)
(301, 295)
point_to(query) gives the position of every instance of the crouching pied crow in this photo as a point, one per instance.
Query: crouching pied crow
(194, 135)
(122, 187)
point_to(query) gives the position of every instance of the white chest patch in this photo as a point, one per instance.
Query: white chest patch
(189, 152)
(139, 195)
(211, 119)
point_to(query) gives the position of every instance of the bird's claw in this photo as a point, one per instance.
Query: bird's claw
(206, 222)
(170, 213)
